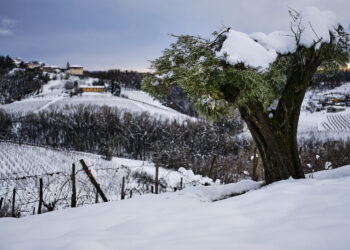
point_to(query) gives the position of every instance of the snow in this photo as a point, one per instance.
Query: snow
(54, 166)
(316, 25)
(316, 122)
(240, 48)
(280, 41)
(259, 50)
(292, 214)
(53, 96)
(331, 174)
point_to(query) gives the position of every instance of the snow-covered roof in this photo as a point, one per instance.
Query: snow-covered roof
(88, 86)
(75, 66)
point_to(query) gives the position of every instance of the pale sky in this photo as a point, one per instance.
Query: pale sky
(126, 34)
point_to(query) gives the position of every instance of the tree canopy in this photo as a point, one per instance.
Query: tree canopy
(204, 69)
(264, 76)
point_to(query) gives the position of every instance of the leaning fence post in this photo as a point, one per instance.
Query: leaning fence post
(13, 203)
(96, 197)
(93, 181)
(157, 179)
(123, 187)
(40, 196)
(74, 190)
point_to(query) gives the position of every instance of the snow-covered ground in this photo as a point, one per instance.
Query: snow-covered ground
(21, 167)
(323, 125)
(292, 214)
(54, 96)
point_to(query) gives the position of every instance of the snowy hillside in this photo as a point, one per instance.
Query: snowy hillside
(323, 124)
(54, 96)
(292, 214)
(21, 166)
(323, 121)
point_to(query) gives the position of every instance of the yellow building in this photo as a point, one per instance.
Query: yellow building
(97, 89)
(76, 70)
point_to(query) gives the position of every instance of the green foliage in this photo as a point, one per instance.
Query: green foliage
(218, 87)
(335, 54)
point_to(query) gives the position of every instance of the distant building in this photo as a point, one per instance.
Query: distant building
(31, 65)
(51, 69)
(97, 89)
(17, 61)
(335, 109)
(75, 70)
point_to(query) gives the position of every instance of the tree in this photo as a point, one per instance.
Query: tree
(265, 77)
(115, 88)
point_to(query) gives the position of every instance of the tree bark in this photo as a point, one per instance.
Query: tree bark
(276, 137)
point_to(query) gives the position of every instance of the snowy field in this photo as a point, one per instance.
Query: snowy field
(322, 125)
(323, 121)
(292, 214)
(53, 96)
(21, 167)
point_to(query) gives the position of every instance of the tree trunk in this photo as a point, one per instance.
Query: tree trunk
(279, 151)
(276, 136)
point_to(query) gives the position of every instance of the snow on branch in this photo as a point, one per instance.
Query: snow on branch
(310, 27)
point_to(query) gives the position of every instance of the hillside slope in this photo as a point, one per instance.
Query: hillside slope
(21, 167)
(53, 96)
(293, 214)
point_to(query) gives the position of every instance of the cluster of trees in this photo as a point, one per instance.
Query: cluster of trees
(328, 80)
(111, 132)
(176, 98)
(5, 124)
(208, 149)
(15, 86)
(6, 64)
(127, 79)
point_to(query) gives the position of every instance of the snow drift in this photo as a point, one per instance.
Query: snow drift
(291, 214)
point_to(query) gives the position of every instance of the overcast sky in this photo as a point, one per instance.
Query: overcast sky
(126, 34)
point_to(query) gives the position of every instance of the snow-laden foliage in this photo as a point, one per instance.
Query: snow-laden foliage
(234, 68)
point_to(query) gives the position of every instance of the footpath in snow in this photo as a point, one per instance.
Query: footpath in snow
(294, 214)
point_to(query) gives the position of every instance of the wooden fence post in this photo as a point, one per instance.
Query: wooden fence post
(96, 197)
(93, 181)
(40, 196)
(152, 189)
(157, 179)
(33, 210)
(74, 190)
(181, 183)
(130, 194)
(123, 188)
(255, 166)
(13, 203)
(1, 201)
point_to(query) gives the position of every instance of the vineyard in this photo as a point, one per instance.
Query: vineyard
(22, 166)
(337, 122)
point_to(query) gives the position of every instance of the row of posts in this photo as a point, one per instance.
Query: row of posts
(99, 191)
